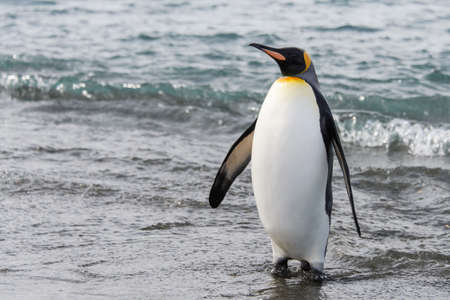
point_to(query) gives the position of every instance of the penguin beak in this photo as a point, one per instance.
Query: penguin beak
(272, 52)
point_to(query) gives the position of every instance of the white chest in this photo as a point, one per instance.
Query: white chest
(289, 165)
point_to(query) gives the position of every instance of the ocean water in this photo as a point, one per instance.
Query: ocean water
(115, 116)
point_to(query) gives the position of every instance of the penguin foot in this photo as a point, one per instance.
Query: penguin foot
(311, 273)
(305, 266)
(280, 268)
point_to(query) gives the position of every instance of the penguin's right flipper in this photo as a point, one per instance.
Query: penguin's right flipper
(234, 163)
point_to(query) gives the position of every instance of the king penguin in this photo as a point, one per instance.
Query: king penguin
(291, 147)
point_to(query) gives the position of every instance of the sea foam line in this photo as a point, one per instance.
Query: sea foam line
(396, 134)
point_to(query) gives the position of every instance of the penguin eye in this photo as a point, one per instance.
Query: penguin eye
(298, 61)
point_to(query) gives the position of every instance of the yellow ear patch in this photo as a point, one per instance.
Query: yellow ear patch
(307, 61)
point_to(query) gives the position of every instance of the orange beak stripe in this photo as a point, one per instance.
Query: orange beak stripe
(274, 54)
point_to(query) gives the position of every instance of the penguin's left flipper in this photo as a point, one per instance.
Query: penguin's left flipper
(342, 161)
(330, 131)
(234, 163)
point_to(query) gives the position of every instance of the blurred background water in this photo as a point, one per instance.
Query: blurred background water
(115, 116)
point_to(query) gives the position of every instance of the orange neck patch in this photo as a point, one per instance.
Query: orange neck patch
(287, 79)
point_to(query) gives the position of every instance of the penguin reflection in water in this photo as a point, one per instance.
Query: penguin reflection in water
(291, 146)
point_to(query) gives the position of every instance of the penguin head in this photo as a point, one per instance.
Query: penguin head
(292, 61)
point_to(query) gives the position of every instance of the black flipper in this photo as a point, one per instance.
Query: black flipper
(234, 163)
(331, 137)
(342, 161)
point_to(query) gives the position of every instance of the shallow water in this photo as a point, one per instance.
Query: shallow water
(115, 118)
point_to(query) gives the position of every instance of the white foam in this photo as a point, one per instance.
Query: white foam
(419, 138)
